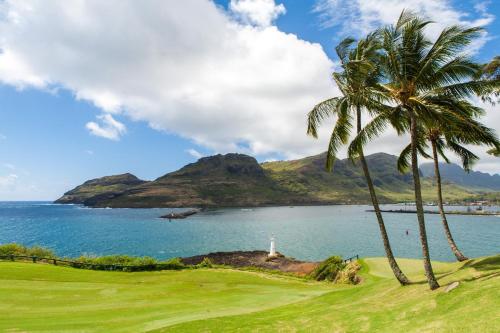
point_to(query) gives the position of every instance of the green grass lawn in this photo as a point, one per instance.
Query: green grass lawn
(44, 298)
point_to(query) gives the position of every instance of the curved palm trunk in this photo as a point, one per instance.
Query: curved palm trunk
(400, 276)
(431, 279)
(449, 237)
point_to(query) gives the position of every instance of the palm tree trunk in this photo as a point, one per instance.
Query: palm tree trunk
(400, 276)
(449, 237)
(431, 279)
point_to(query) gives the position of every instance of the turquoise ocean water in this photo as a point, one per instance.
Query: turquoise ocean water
(309, 233)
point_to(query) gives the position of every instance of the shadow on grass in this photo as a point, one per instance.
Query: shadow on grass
(484, 266)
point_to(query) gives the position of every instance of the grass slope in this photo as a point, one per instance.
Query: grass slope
(37, 297)
(46, 298)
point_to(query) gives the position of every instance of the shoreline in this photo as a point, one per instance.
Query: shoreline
(453, 212)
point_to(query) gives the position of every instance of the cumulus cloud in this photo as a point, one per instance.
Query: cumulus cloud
(108, 128)
(362, 16)
(259, 12)
(227, 80)
(186, 67)
(194, 153)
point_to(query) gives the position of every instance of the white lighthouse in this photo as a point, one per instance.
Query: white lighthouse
(272, 250)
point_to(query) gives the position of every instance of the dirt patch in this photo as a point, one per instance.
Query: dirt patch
(255, 259)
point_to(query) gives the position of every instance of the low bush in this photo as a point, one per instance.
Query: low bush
(20, 250)
(112, 262)
(349, 275)
(205, 263)
(334, 269)
(328, 269)
(127, 263)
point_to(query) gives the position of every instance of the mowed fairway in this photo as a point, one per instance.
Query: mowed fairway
(37, 298)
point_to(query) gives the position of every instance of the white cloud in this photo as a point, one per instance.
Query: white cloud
(362, 16)
(2, 137)
(259, 12)
(8, 181)
(194, 153)
(89, 152)
(109, 127)
(186, 67)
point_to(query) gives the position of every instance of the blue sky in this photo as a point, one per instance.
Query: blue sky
(70, 113)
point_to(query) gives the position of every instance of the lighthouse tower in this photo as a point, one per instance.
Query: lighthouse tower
(272, 250)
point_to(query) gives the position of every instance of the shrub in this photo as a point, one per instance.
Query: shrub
(117, 260)
(20, 250)
(328, 269)
(349, 274)
(129, 263)
(172, 264)
(205, 263)
(41, 252)
(111, 262)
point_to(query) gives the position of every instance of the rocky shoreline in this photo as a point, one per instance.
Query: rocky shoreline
(259, 259)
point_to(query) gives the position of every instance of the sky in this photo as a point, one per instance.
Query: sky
(93, 88)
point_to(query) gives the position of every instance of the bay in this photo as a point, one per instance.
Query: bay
(308, 233)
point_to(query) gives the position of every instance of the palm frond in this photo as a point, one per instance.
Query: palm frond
(319, 113)
(340, 134)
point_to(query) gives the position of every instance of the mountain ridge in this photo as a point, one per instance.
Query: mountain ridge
(237, 180)
(454, 173)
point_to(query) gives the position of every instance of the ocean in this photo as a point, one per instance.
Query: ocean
(307, 233)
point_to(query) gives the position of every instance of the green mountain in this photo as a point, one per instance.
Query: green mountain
(455, 174)
(237, 180)
(94, 189)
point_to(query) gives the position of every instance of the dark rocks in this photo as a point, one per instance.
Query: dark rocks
(258, 259)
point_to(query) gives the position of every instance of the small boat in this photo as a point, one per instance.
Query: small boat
(181, 215)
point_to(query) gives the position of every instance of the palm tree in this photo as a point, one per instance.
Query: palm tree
(355, 81)
(494, 152)
(491, 71)
(456, 129)
(422, 79)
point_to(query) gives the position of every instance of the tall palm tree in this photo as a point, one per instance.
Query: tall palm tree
(455, 129)
(494, 152)
(491, 71)
(355, 81)
(422, 78)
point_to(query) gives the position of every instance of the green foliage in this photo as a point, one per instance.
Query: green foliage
(20, 250)
(205, 263)
(117, 260)
(349, 274)
(112, 262)
(329, 269)
(128, 263)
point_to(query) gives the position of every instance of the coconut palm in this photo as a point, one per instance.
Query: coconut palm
(355, 81)
(494, 152)
(491, 71)
(456, 128)
(422, 79)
